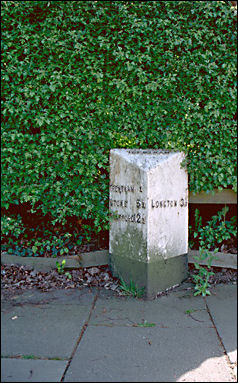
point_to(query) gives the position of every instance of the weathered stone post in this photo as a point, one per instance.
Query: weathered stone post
(149, 218)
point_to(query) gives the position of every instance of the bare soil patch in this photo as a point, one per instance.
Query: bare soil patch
(19, 278)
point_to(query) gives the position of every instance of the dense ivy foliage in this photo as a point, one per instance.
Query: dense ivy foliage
(81, 77)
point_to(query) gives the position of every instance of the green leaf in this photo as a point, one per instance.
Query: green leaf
(34, 249)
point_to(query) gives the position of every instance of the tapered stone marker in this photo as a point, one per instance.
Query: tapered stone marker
(148, 241)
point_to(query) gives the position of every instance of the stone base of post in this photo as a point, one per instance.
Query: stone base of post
(154, 277)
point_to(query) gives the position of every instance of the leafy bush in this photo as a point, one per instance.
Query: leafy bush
(11, 226)
(25, 241)
(207, 238)
(218, 230)
(81, 77)
(201, 279)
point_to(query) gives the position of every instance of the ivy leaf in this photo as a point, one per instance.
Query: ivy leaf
(34, 249)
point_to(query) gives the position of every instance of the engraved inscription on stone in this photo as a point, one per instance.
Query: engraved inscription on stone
(117, 203)
(121, 203)
(148, 151)
(149, 188)
(140, 204)
(130, 218)
(122, 188)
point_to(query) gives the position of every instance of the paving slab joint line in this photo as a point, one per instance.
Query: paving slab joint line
(30, 357)
(220, 340)
(80, 337)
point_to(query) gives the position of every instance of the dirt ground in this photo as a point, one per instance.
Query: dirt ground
(19, 278)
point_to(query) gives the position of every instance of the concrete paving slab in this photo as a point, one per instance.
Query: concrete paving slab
(182, 345)
(20, 370)
(57, 296)
(180, 309)
(223, 307)
(42, 325)
(129, 354)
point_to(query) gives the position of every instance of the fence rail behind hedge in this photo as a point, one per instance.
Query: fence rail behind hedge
(217, 197)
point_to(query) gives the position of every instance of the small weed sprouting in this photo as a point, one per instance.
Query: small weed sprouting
(209, 238)
(29, 357)
(202, 278)
(131, 290)
(68, 275)
(34, 357)
(216, 231)
(144, 324)
(60, 269)
(188, 312)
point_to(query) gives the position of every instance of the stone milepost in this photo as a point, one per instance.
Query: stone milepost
(148, 204)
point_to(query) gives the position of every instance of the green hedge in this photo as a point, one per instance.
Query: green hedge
(81, 77)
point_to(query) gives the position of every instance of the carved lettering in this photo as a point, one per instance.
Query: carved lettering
(168, 203)
(140, 204)
(149, 151)
(118, 203)
(122, 188)
(183, 202)
(133, 218)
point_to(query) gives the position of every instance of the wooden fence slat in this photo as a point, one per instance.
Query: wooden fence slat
(225, 196)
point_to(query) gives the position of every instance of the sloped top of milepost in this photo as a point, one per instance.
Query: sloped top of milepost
(146, 159)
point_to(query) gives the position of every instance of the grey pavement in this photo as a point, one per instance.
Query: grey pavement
(97, 336)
